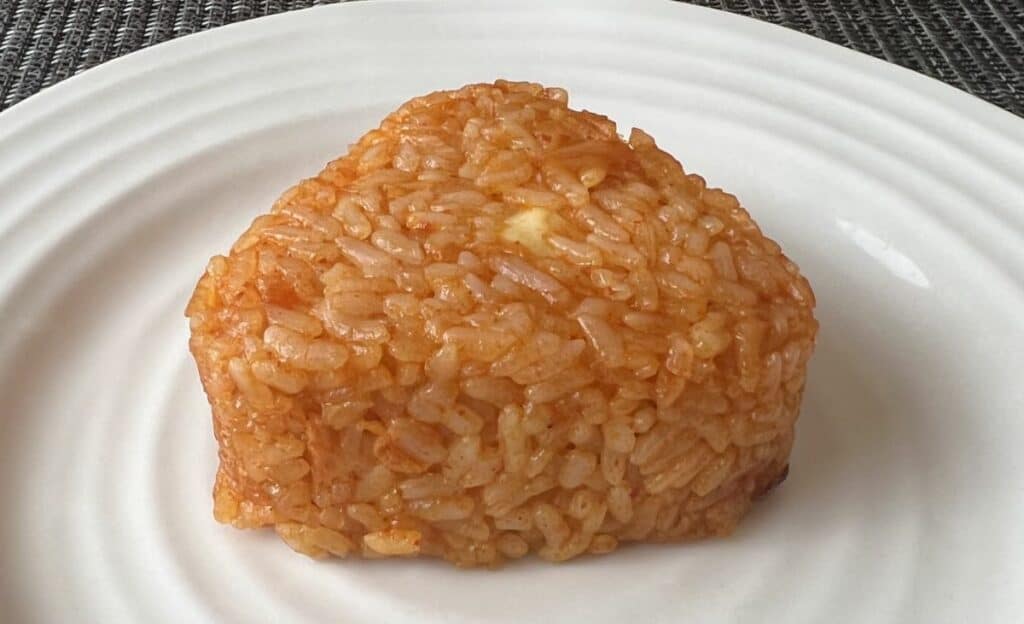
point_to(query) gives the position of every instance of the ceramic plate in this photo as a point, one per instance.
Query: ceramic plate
(902, 200)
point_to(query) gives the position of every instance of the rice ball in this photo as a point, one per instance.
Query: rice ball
(496, 328)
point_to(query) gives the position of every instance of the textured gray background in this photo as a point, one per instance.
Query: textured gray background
(974, 45)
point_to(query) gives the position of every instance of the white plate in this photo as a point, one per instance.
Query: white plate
(901, 199)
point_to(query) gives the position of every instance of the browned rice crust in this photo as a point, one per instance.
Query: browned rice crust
(494, 327)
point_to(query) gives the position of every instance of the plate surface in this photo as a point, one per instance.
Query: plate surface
(901, 199)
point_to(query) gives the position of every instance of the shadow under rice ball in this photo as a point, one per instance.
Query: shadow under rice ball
(495, 328)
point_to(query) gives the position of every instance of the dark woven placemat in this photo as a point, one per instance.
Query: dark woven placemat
(975, 45)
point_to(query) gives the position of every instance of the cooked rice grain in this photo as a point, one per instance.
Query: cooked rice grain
(495, 327)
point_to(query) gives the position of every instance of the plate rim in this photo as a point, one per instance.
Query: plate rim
(122, 66)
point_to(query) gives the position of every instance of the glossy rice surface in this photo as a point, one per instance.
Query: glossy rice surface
(495, 327)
